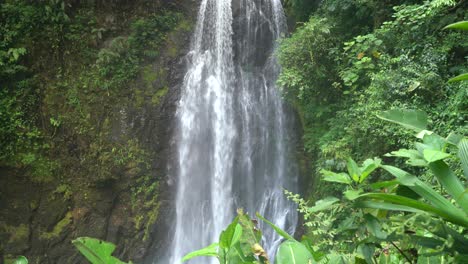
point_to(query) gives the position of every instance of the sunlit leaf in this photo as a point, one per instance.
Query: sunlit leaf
(353, 170)
(368, 167)
(434, 155)
(458, 25)
(20, 260)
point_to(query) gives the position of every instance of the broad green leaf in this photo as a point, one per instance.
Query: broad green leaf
(336, 177)
(405, 153)
(453, 217)
(293, 252)
(20, 260)
(451, 183)
(463, 155)
(278, 230)
(458, 25)
(434, 142)
(427, 193)
(96, 251)
(414, 157)
(459, 78)
(352, 194)
(323, 204)
(353, 170)
(209, 251)
(434, 155)
(411, 119)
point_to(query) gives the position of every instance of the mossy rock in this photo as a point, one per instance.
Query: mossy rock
(156, 99)
(58, 228)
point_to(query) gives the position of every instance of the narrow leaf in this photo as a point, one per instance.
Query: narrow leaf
(459, 78)
(434, 155)
(463, 155)
(386, 206)
(278, 230)
(458, 25)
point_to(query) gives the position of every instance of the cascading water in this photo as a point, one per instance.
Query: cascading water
(233, 135)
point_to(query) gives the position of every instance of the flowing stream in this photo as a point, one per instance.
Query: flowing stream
(233, 134)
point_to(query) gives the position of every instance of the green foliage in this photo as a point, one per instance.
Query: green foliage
(339, 69)
(408, 213)
(96, 251)
(240, 243)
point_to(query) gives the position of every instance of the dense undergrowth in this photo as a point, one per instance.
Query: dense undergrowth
(352, 59)
(349, 61)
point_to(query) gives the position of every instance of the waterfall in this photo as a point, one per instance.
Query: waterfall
(233, 134)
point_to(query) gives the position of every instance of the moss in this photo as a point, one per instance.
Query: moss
(138, 221)
(152, 217)
(58, 228)
(149, 76)
(156, 99)
(18, 234)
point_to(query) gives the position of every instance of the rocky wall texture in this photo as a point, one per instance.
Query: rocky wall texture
(126, 202)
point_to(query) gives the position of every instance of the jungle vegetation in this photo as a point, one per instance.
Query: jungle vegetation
(379, 87)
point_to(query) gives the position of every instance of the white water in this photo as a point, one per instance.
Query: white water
(233, 134)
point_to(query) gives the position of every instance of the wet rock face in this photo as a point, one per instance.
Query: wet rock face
(39, 220)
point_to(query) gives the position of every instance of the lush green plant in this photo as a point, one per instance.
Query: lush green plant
(338, 70)
(372, 215)
(240, 243)
(97, 251)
